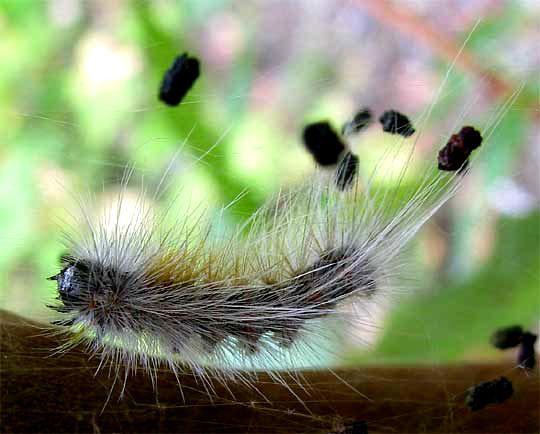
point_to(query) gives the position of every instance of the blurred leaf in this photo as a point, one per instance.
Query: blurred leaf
(446, 323)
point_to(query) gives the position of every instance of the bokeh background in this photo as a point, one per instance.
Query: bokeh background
(78, 87)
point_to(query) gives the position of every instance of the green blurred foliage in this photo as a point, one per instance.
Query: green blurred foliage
(71, 123)
(456, 321)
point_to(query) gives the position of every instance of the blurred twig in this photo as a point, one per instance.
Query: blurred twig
(414, 27)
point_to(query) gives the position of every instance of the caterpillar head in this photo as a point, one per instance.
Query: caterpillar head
(74, 284)
(87, 290)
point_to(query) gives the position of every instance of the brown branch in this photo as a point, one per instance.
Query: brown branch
(45, 393)
(414, 27)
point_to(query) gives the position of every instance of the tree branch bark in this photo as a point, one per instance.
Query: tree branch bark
(41, 392)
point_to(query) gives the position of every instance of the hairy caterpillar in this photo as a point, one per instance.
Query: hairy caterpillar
(142, 292)
(147, 291)
(258, 96)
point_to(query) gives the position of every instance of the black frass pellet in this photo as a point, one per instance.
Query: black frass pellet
(323, 143)
(396, 123)
(507, 337)
(527, 355)
(455, 154)
(346, 171)
(360, 121)
(489, 392)
(178, 79)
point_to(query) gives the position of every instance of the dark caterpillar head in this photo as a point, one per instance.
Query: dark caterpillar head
(85, 287)
(73, 284)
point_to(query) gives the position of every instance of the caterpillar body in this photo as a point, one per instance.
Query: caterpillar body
(142, 291)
